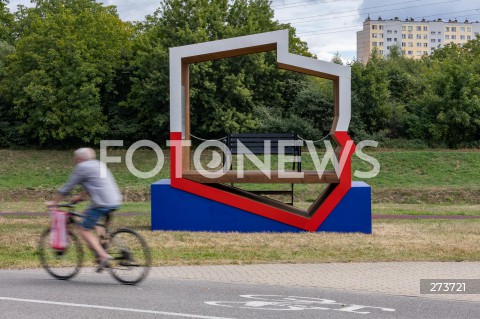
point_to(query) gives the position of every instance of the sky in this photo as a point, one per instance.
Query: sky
(328, 26)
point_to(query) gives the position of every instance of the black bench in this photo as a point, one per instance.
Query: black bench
(255, 143)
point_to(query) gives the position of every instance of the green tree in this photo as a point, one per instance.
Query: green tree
(6, 22)
(224, 93)
(8, 127)
(310, 115)
(337, 58)
(370, 93)
(448, 110)
(63, 70)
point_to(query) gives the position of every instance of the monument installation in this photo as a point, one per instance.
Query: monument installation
(195, 201)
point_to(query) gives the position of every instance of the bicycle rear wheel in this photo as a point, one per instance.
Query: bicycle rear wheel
(64, 264)
(131, 254)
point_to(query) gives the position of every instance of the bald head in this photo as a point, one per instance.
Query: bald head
(84, 154)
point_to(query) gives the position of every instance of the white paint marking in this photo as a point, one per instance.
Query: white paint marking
(292, 303)
(67, 304)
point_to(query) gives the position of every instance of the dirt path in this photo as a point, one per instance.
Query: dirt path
(383, 216)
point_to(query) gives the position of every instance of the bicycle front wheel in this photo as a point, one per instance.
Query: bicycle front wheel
(63, 264)
(131, 256)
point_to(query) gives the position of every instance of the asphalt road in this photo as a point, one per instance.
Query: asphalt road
(32, 294)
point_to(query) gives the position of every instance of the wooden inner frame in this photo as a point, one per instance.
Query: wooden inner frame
(258, 177)
(186, 153)
(186, 87)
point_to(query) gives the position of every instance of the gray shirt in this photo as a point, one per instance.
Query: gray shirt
(103, 190)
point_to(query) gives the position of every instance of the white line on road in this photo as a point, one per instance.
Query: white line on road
(67, 304)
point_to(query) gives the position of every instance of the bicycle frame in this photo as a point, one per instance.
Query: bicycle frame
(73, 214)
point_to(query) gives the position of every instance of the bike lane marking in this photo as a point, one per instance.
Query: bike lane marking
(296, 303)
(67, 304)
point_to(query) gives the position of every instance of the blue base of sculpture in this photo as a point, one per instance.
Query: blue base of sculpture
(177, 210)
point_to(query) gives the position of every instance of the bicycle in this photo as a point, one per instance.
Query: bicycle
(131, 255)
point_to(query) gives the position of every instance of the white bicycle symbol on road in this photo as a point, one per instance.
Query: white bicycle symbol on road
(294, 303)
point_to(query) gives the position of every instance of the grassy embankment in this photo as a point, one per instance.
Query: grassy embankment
(406, 177)
(411, 182)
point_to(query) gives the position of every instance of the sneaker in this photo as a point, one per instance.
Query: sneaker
(104, 263)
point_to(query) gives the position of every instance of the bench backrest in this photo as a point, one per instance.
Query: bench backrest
(255, 142)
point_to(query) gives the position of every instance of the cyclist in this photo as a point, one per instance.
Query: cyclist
(104, 194)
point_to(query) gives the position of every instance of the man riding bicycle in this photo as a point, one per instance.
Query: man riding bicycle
(104, 194)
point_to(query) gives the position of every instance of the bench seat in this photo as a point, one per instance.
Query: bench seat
(258, 177)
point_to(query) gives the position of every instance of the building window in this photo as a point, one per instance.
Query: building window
(425, 52)
(389, 39)
(425, 28)
(404, 36)
(410, 28)
(374, 27)
(419, 28)
(410, 36)
(425, 36)
(419, 36)
(381, 27)
(381, 44)
(374, 44)
(389, 31)
(439, 32)
(433, 32)
(447, 29)
(469, 29)
(395, 39)
(410, 52)
(469, 37)
(425, 45)
(395, 32)
(462, 29)
(404, 44)
(374, 35)
(447, 37)
(432, 40)
(410, 44)
(462, 37)
(388, 48)
(381, 35)
(419, 52)
(439, 40)
(454, 37)
(381, 51)
(404, 28)
(454, 29)
(419, 44)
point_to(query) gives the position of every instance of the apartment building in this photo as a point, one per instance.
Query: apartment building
(415, 38)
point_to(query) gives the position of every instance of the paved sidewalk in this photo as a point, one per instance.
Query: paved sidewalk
(396, 278)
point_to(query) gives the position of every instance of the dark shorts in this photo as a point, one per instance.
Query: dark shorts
(93, 215)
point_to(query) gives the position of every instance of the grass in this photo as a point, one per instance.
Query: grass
(406, 176)
(393, 240)
(39, 207)
(425, 209)
(380, 208)
(410, 182)
(32, 169)
(419, 169)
